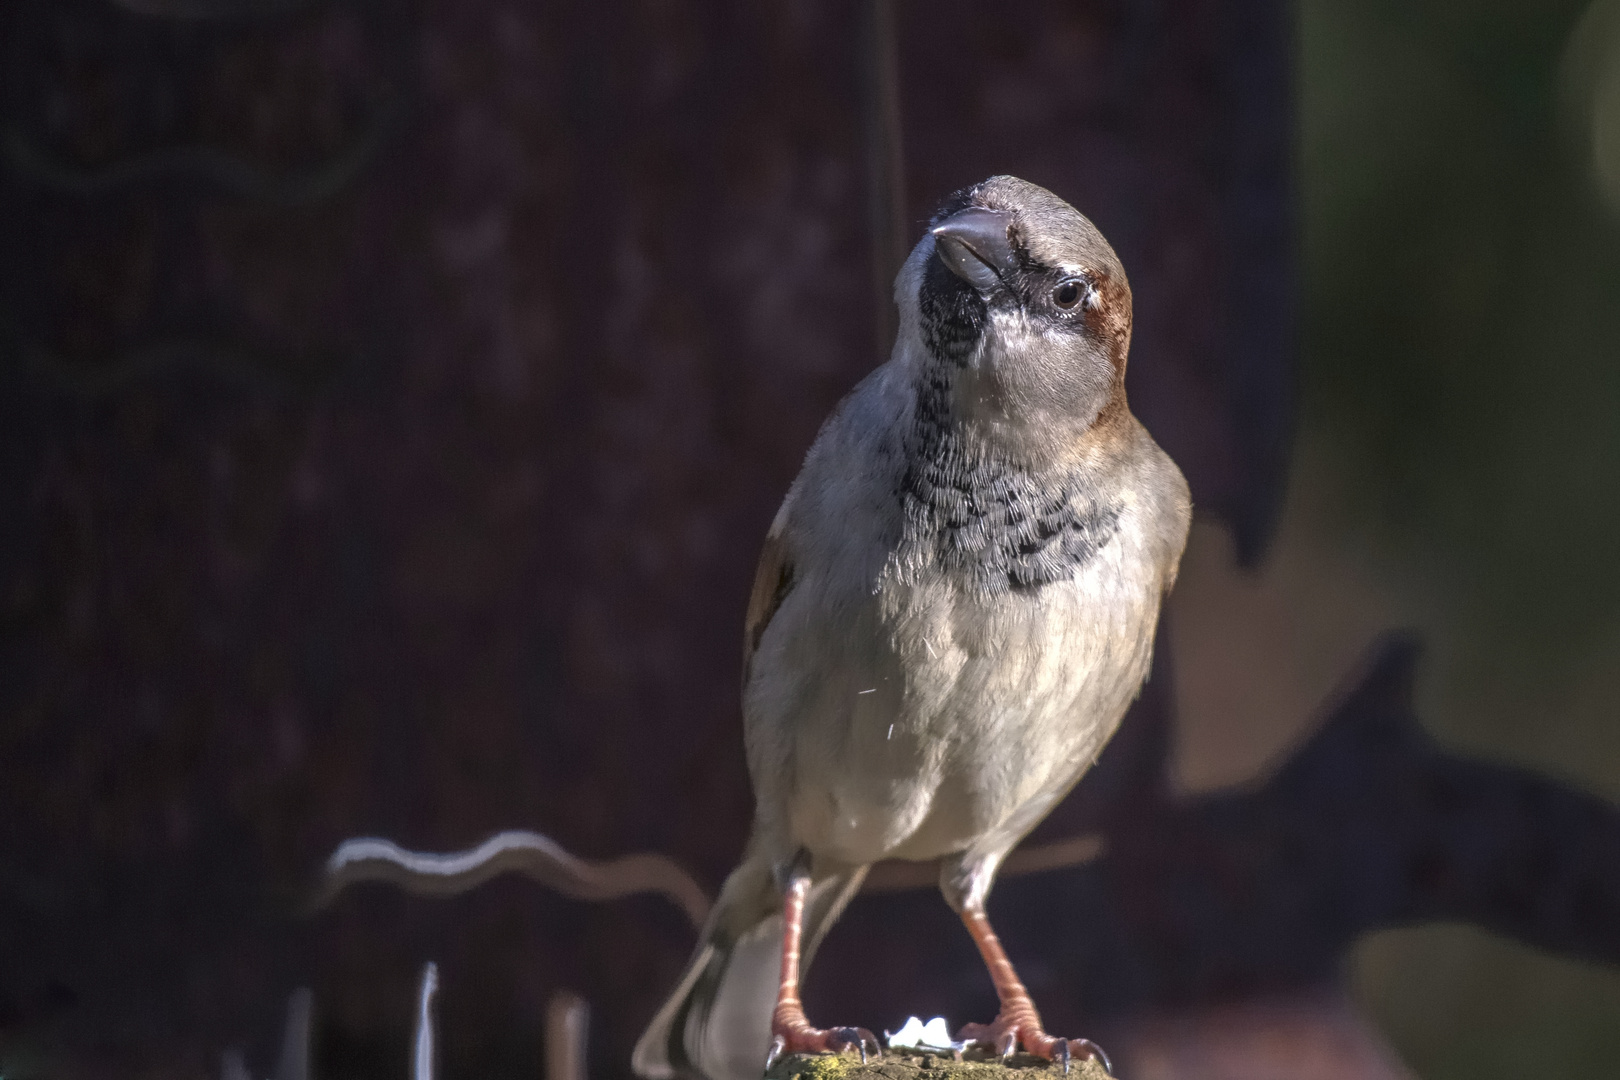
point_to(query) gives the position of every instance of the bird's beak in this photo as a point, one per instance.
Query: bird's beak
(973, 244)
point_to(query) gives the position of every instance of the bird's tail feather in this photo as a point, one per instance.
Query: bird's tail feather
(716, 1023)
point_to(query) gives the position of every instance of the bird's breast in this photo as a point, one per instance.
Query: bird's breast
(929, 711)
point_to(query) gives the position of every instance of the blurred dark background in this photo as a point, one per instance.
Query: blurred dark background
(393, 398)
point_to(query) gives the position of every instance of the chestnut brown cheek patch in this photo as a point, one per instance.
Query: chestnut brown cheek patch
(1110, 319)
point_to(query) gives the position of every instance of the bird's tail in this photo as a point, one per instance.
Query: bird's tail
(716, 1023)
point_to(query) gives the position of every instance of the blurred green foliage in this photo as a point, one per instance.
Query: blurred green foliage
(1462, 360)
(1510, 1011)
(1463, 300)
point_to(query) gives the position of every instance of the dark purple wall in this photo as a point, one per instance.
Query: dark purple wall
(392, 401)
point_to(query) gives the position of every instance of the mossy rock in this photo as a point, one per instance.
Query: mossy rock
(903, 1066)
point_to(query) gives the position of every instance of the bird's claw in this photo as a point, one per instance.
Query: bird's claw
(1003, 1041)
(842, 1038)
(1085, 1049)
(836, 1040)
(778, 1045)
(1063, 1050)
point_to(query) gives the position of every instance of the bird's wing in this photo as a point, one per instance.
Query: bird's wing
(773, 580)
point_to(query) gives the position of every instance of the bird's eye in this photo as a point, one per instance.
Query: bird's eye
(1067, 294)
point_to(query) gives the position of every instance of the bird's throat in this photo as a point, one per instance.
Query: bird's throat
(976, 511)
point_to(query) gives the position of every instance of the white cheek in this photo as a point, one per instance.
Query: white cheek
(1030, 368)
(1012, 334)
(1013, 354)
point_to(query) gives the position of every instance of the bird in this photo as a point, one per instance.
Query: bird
(952, 611)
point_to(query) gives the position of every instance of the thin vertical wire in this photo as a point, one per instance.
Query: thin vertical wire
(423, 1050)
(295, 1036)
(885, 163)
(568, 1019)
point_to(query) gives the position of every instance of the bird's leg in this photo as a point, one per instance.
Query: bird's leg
(1017, 1022)
(791, 1031)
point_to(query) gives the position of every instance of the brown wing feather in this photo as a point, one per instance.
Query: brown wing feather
(773, 580)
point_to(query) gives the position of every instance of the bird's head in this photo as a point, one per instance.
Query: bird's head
(1016, 298)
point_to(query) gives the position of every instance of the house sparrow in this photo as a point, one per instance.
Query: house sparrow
(955, 606)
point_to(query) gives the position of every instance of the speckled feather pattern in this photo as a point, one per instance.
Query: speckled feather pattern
(987, 519)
